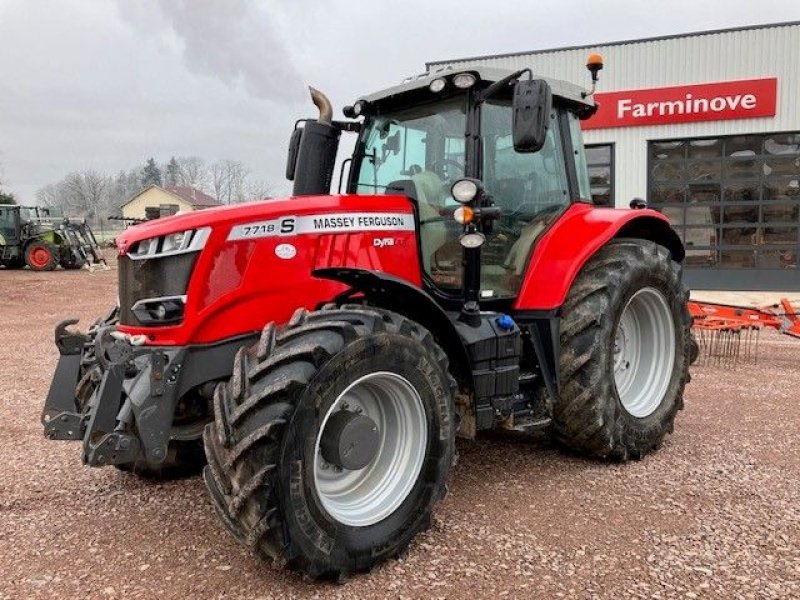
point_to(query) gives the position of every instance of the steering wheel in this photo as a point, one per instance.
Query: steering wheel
(447, 161)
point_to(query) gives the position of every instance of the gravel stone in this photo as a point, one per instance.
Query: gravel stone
(714, 514)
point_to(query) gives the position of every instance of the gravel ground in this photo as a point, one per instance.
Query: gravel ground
(715, 513)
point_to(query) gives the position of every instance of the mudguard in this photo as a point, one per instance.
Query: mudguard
(574, 238)
(392, 293)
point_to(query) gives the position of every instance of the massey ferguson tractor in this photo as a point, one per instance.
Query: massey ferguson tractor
(320, 353)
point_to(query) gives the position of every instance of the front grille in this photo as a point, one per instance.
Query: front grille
(151, 278)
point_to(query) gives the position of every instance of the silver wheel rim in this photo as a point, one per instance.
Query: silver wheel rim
(366, 496)
(644, 352)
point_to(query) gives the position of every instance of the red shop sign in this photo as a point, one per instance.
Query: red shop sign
(746, 99)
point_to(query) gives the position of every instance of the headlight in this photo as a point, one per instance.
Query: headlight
(437, 85)
(176, 241)
(167, 310)
(464, 80)
(179, 242)
(465, 190)
(472, 240)
(145, 247)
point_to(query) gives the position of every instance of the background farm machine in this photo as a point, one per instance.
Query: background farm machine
(37, 237)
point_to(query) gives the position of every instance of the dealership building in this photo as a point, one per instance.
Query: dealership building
(706, 127)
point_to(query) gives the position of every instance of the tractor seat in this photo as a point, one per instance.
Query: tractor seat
(425, 189)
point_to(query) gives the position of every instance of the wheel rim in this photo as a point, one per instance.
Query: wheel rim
(366, 496)
(40, 257)
(644, 352)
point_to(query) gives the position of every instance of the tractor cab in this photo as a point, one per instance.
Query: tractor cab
(513, 140)
(422, 137)
(9, 224)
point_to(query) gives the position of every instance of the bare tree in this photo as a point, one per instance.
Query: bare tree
(192, 172)
(228, 179)
(85, 193)
(257, 189)
(49, 196)
(96, 195)
(122, 188)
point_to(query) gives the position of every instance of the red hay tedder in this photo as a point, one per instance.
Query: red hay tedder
(728, 333)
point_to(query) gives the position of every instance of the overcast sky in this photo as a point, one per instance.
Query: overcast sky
(105, 84)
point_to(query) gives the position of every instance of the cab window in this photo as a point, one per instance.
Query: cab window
(419, 152)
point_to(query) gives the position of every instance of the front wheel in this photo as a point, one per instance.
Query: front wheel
(625, 349)
(333, 439)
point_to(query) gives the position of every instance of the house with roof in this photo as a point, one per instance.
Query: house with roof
(155, 201)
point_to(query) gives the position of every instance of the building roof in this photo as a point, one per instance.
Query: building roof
(434, 63)
(193, 196)
(188, 194)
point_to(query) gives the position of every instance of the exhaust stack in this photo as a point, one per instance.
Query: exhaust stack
(321, 101)
(316, 154)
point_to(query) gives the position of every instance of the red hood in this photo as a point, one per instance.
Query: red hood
(252, 211)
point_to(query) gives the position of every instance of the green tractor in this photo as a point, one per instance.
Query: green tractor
(42, 239)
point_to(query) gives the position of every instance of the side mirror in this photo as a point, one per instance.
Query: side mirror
(531, 107)
(294, 149)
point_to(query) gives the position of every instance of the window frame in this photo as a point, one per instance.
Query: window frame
(611, 169)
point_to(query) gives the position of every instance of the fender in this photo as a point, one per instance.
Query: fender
(395, 294)
(574, 238)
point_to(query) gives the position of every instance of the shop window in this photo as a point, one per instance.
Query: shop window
(734, 201)
(600, 163)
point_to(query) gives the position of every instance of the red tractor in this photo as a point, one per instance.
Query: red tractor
(322, 352)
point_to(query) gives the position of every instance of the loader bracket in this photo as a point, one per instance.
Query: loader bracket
(64, 426)
(69, 343)
(114, 448)
(103, 419)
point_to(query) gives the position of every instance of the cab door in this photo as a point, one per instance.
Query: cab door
(531, 189)
(9, 225)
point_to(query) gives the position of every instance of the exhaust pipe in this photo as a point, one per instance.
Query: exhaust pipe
(321, 101)
(316, 151)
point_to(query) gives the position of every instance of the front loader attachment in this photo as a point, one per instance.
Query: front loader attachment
(83, 245)
(106, 386)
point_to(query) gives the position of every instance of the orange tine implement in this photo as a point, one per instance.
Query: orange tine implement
(728, 333)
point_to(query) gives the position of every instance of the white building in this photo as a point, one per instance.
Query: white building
(706, 126)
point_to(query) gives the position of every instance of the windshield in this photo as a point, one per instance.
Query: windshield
(420, 152)
(423, 145)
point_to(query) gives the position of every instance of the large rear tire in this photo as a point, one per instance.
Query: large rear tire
(625, 346)
(271, 474)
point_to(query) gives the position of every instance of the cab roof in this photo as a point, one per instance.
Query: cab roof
(562, 89)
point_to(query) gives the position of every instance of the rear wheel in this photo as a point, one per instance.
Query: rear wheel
(333, 439)
(625, 347)
(41, 256)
